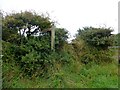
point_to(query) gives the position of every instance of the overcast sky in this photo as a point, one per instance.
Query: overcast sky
(71, 14)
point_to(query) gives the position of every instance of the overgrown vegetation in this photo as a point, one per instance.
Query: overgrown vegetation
(92, 44)
(28, 61)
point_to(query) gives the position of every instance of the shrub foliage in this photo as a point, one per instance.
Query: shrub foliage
(26, 46)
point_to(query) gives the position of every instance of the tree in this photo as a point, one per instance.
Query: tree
(31, 52)
(92, 44)
(96, 37)
(23, 22)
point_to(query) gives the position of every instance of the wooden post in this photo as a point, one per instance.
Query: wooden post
(52, 30)
(53, 38)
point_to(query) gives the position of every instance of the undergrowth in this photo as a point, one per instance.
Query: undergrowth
(75, 75)
(86, 62)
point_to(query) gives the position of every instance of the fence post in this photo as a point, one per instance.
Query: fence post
(53, 38)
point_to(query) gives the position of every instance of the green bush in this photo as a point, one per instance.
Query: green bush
(96, 37)
(92, 54)
(94, 45)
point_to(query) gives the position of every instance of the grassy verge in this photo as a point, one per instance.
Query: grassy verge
(75, 75)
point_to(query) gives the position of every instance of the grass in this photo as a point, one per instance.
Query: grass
(71, 75)
(75, 75)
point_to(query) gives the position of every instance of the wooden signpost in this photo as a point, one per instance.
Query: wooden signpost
(53, 38)
(52, 30)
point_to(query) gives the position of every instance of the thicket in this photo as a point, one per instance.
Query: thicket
(32, 53)
(25, 45)
(92, 44)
